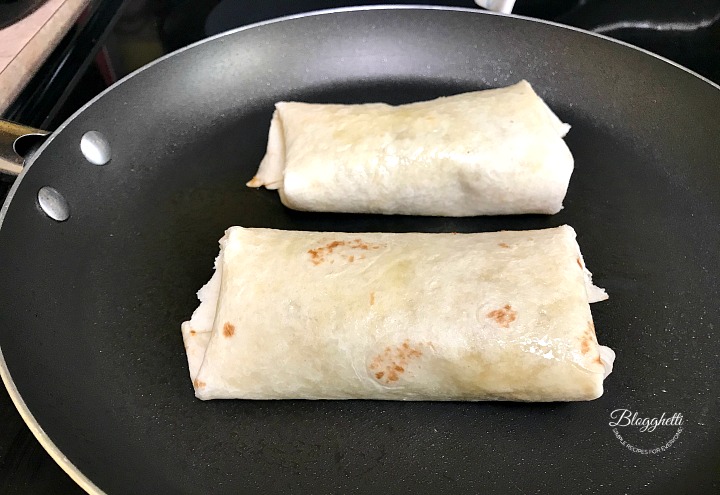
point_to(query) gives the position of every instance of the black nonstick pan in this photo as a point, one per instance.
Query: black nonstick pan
(90, 307)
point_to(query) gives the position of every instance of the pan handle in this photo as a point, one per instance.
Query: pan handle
(17, 142)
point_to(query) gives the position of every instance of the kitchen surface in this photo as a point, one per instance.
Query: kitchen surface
(68, 51)
(26, 41)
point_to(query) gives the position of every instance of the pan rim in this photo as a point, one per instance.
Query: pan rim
(43, 438)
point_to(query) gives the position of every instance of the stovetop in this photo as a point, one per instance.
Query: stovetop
(118, 36)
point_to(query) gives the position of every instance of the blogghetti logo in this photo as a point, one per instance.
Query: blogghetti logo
(635, 432)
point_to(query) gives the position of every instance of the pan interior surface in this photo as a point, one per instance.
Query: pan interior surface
(91, 332)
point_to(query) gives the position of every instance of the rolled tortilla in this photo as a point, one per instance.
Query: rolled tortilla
(493, 152)
(311, 315)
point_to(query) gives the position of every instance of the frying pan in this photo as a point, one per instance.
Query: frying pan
(91, 307)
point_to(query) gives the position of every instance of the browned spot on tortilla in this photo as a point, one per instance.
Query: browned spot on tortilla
(395, 361)
(198, 384)
(579, 262)
(589, 332)
(228, 329)
(598, 360)
(589, 338)
(503, 316)
(332, 245)
(372, 298)
(359, 245)
(315, 256)
(453, 233)
(504, 245)
(193, 332)
(320, 254)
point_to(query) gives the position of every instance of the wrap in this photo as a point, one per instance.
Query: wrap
(493, 152)
(311, 315)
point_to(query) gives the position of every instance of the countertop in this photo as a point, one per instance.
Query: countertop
(25, 45)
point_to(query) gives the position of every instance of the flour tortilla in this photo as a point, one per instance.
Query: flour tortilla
(312, 315)
(492, 152)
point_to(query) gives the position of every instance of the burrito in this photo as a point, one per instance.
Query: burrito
(493, 152)
(397, 316)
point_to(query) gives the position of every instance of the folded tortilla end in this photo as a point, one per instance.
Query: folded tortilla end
(607, 357)
(254, 182)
